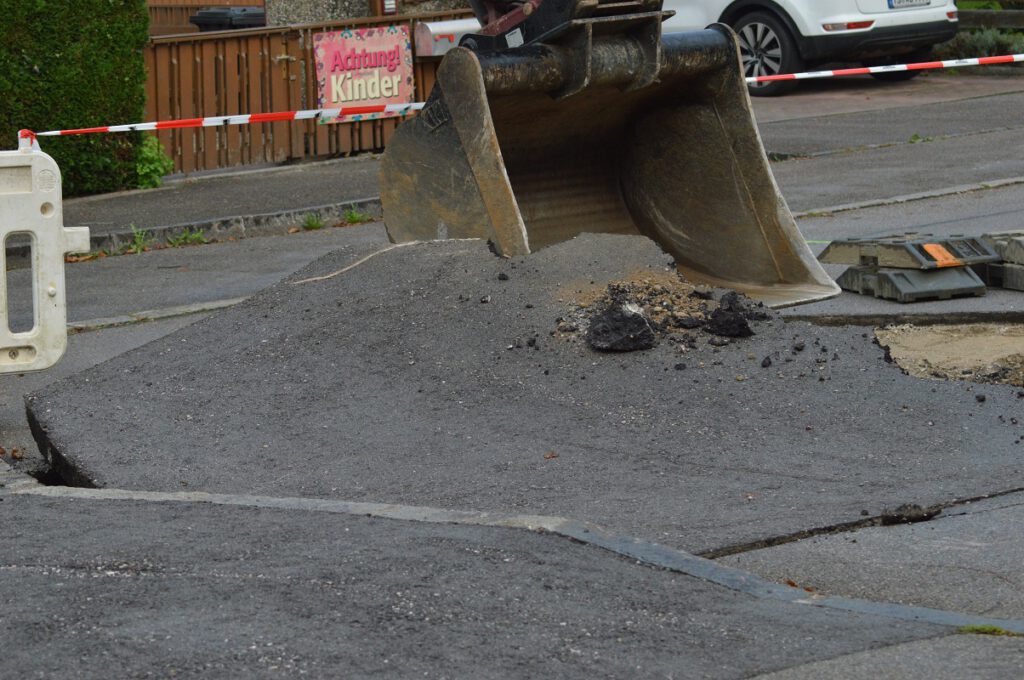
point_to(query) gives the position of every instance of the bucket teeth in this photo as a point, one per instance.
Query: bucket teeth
(512, 149)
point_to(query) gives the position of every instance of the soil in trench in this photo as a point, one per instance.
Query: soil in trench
(984, 353)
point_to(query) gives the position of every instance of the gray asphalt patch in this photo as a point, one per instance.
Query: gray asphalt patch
(394, 382)
(903, 125)
(187, 590)
(650, 554)
(967, 559)
(856, 177)
(948, 658)
(178, 277)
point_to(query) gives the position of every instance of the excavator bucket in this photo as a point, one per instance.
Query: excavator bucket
(609, 131)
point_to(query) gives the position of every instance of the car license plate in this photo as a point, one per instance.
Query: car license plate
(903, 4)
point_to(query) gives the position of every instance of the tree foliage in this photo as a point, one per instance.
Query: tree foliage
(75, 65)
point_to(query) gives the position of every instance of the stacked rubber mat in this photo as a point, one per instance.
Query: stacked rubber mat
(913, 267)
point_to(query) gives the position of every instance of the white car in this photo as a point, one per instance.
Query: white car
(787, 36)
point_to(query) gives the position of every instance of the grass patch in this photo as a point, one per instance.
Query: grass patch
(312, 222)
(988, 630)
(353, 216)
(140, 243)
(188, 238)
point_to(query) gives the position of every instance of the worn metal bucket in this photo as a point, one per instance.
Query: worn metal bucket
(532, 146)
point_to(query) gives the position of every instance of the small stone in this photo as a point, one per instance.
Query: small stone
(485, 299)
(799, 346)
(686, 321)
(620, 328)
(502, 276)
(729, 324)
(909, 513)
(766, 362)
(980, 398)
(702, 293)
(679, 367)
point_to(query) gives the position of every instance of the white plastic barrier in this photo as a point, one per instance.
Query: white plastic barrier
(30, 204)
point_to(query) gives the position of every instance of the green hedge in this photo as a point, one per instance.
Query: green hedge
(74, 64)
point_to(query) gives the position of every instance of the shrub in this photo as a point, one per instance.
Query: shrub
(985, 42)
(71, 65)
(152, 163)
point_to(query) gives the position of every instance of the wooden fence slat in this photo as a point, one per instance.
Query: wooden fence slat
(188, 65)
(231, 135)
(279, 98)
(208, 103)
(295, 69)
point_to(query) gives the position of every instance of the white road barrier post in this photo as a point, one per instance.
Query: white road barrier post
(30, 205)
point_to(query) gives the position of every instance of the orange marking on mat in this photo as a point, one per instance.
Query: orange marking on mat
(942, 257)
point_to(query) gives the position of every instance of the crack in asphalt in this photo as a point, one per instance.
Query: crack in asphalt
(874, 521)
(644, 552)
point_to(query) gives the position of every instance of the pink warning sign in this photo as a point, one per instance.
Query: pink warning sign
(363, 67)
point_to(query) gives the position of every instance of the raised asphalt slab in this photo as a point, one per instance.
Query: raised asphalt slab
(419, 377)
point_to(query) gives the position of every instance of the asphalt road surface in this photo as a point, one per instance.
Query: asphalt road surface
(284, 467)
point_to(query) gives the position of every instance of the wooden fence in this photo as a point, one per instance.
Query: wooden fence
(220, 73)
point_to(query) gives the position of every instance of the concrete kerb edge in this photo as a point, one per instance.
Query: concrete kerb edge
(242, 226)
(907, 198)
(649, 554)
(153, 315)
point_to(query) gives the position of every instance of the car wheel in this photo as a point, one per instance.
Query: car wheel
(900, 76)
(766, 49)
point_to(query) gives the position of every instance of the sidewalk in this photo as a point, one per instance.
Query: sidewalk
(232, 205)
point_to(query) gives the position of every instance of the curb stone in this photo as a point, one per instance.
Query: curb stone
(229, 227)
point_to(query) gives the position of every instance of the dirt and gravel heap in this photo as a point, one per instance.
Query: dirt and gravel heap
(651, 306)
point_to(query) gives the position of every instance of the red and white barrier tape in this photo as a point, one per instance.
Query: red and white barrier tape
(919, 66)
(354, 113)
(27, 138)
